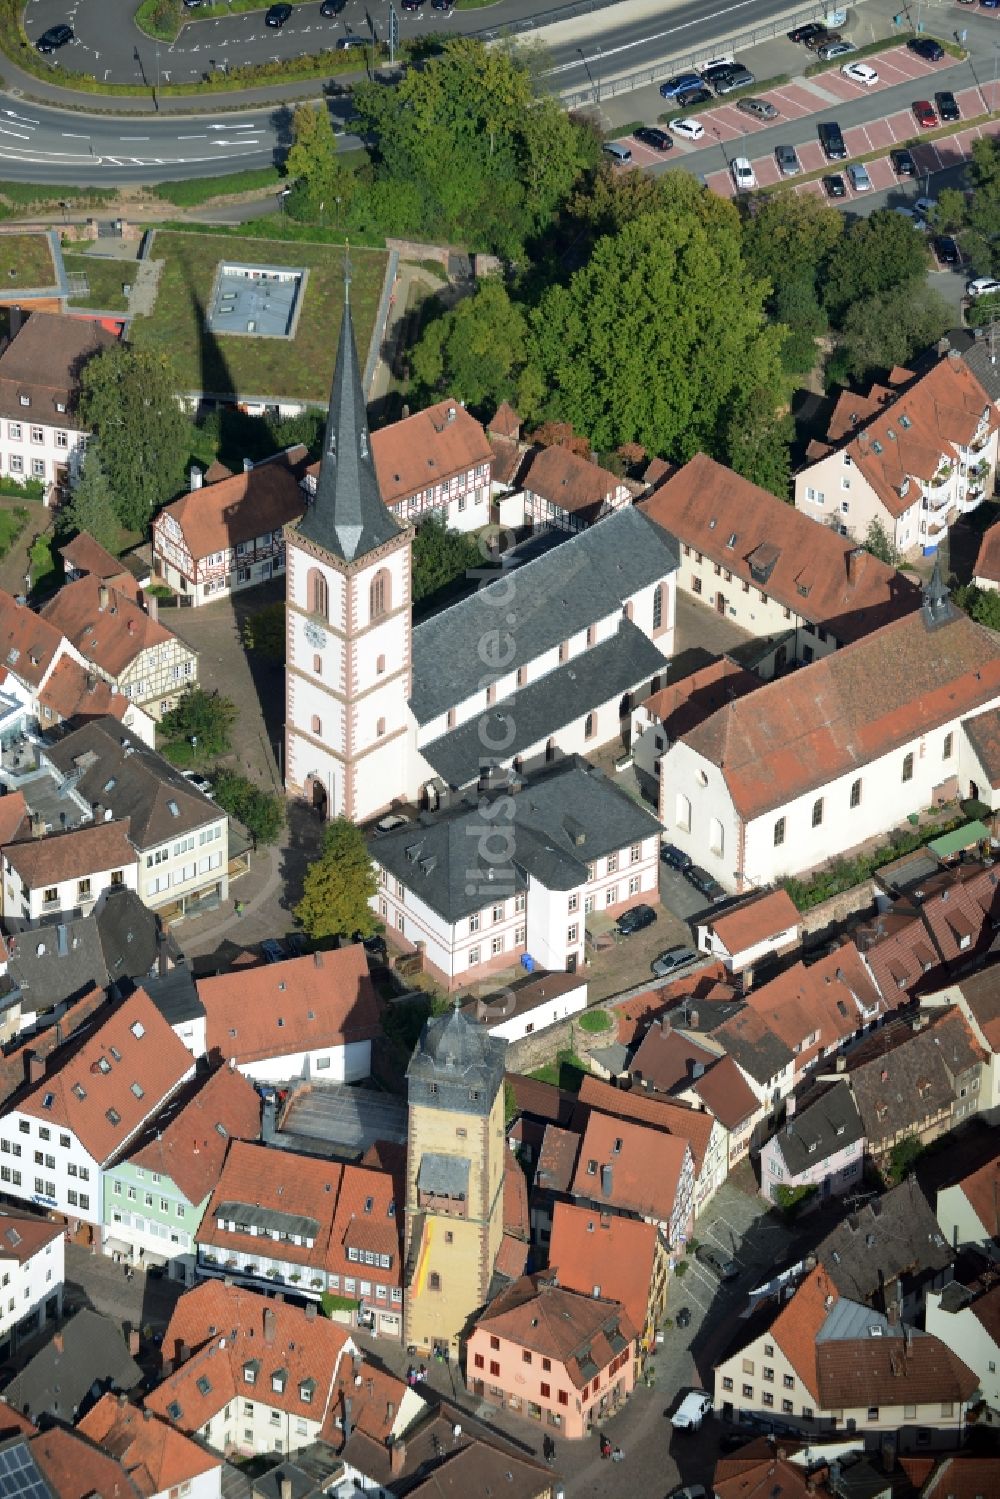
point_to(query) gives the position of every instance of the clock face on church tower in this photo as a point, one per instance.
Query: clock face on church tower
(315, 635)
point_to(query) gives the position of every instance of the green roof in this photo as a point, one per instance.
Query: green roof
(960, 838)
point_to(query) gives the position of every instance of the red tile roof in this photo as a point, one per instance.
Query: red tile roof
(125, 1070)
(28, 643)
(834, 997)
(682, 705)
(559, 1324)
(22, 1236)
(556, 1159)
(983, 731)
(725, 1093)
(505, 422)
(76, 1016)
(43, 361)
(94, 848)
(323, 999)
(798, 1322)
(110, 636)
(761, 1475)
(375, 1396)
(812, 570)
(591, 1249)
(848, 709)
(237, 507)
(981, 1189)
(422, 450)
(880, 1371)
(76, 1469)
(155, 1456)
(85, 555)
(988, 561)
(189, 1147)
(981, 992)
(664, 1114)
(73, 692)
(515, 1199)
(635, 1014)
(667, 1058)
(854, 409)
(13, 817)
(570, 482)
(512, 1257)
(763, 916)
(630, 1166)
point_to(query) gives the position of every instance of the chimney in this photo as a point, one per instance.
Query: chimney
(102, 596)
(195, 477)
(182, 1351)
(36, 1067)
(606, 1182)
(268, 1325)
(122, 1401)
(152, 605)
(37, 825)
(133, 1342)
(147, 1414)
(248, 465)
(853, 563)
(397, 1458)
(841, 1064)
(58, 1342)
(347, 1419)
(310, 1311)
(285, 1488)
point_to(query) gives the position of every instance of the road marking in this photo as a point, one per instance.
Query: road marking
(133, 137)
(22, 135)
(72, 135)
(644, 40)
(21, 119)
(192, 137)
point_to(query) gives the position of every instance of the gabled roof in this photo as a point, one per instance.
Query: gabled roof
(765, 915)
(93, 848)
(87, 1349)
(322, 1000)
(753, 1045)
(983, 732)
(666, 1059)
(22, 1236)
(85, 555)
(987, 563)
(664, 1114)
(884, 1371)
(28, 643)
(75, 1468)
(682, 704)
(73, 692)
(797, 1325)
(832, 999)
(888, 1237)
(583, 1333)
(505, 421)
(239, 507)
(82, 1005)
(557, 1159)
(725, 1093)
(156, 1457)
(258, 1183)
(896, 1089)
(981, 992)
(13, 817)
(550, 603)
(848, 709)
(43, 361)
(828, 1123)
(981, 1189)
(113, 634)
(605, 1254)
(812, 570)
(570, 482)
(629, 1167)
(114, 1080)
(187, 1143)
(422, 450)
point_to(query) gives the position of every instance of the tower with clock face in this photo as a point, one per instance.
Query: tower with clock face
(348, 727)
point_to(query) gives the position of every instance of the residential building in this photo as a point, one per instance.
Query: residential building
(181, 836)
(63, 1462)
(32, 1271)
(746, 935)
(819, 1150)
(914, 460)
(123, 641)
(620, 1259)
(73, 696)
(573, 844)
(66, 873)
(564, 490)
(725, 1093)
(889, 1253)
(310, 1017)
(977, 998)
(225, 536)
(83, 556)
(750, 557)
(64, 1132)
(41, 435)
(436, 462)
(968, 1211)
(762, 1465)
(765, 1062)
(967, 1318)
(163, 1463)
(529, 1005)
(250, 1376)
(553, 1355)
(629, 1168)
(27, 1056)
(155, 1195)
(84, 1360)
(821, 1362)
(809, 768)
(455, 1169)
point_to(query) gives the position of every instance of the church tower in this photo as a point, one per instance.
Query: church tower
(348, 622)
(455, 1154)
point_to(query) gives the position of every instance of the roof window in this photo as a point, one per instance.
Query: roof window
(173, 808)
(48, 1100)
(138, 1030)
(113, 1116)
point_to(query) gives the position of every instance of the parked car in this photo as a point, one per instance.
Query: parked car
(619, 154)
(734, 79)
(902, 163)
(679, 85)
(946, 249)
(860, 72)
(926, 47)
(857, 176)
(691, 130)
(947, 106)
(295, 944)
(716, 70)
(834, 186)
(390, 822)
(671, 959)
(692, 96)
(788, 160)
(830, 50)
(831, 138)
(675, 857)
(54, 38)
(346, 43)
(272, 950)
(818, 36)
(983, 286)
(683, 1318)
(278, 15)
(445, 5)
(743, 174)
(412, 4)
(332, 8)
(758, 109)
(691, 1412)
(807, 32)
(925, 113)
(688, 1491)
(712, 1259)
(704, 883)
(651, 135)
(634, 919)
(925, 206)
(911, 215)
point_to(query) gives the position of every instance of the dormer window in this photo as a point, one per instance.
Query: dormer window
(61, 406)
(25, 400)
(732, 540)
(278, 1379)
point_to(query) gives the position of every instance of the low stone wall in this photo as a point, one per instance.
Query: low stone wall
(411, 249)
(829, 912)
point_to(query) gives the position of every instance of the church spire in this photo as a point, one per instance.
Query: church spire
(348, 517)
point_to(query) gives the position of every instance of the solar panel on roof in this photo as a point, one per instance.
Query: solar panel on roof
(19, 1477)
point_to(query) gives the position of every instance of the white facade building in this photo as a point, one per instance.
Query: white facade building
(32, 1271)
(67, 872)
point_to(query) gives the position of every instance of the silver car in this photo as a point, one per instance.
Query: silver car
(788, 160)
(759, 109)
(859, 178)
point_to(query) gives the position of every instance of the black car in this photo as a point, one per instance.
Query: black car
(332, 7)
(412, 4)
(947, 106)
(277, 15)
(834, 186)
(651, 136)
(832, 140)
(55, 37)
(442, 5)
(634, 919)
(272, 950)
(926, 47)
(803, 33)
(675, 857)
(903, 164)
(946, 250)
(704, 883)
(720, 1266)
(683, 1318)
(694, 96)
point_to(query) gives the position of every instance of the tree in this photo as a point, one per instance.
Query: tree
(440, 556)
(261, 812)
(880, 543)
(796, 305)
(311, 163)
(475, 351)
(91, 505)
(204, 717)
(264, 631)
(127, 398)
(883, 253)
(658, 336)
(757, 440)
(949, 212)
(884, 330)
(790, 237)
(982, 604)
(338, 885)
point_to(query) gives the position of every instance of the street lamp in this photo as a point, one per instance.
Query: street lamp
(595, 86)
(722, 145)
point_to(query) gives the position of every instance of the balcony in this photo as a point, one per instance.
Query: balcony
(942, 476)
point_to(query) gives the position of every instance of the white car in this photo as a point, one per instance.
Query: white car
(860, 72)
(690, 130)
(743, 175)
(982, 286)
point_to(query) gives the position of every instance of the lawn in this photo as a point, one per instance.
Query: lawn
(106, 278)
(567, 1071)
(26, 261)
(12, 523)
(295, 368)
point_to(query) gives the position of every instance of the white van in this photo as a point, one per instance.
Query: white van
(691, 1412)
(620, 154)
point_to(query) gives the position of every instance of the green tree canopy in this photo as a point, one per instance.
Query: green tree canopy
(440, 557)
(880, 543)
(659, 336)
(261, 812)
(887, 329)
(91, 505)
(796, 305)
(312, 164)
(983, 604)
(876, 255)
(757, 441)
(338, 885)
(475, 351)
(127, 398)
(204, 716)
(790, 237)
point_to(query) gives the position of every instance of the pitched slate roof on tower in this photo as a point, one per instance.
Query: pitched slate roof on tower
(347, 517)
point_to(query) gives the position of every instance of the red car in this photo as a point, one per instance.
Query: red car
(925, 112)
